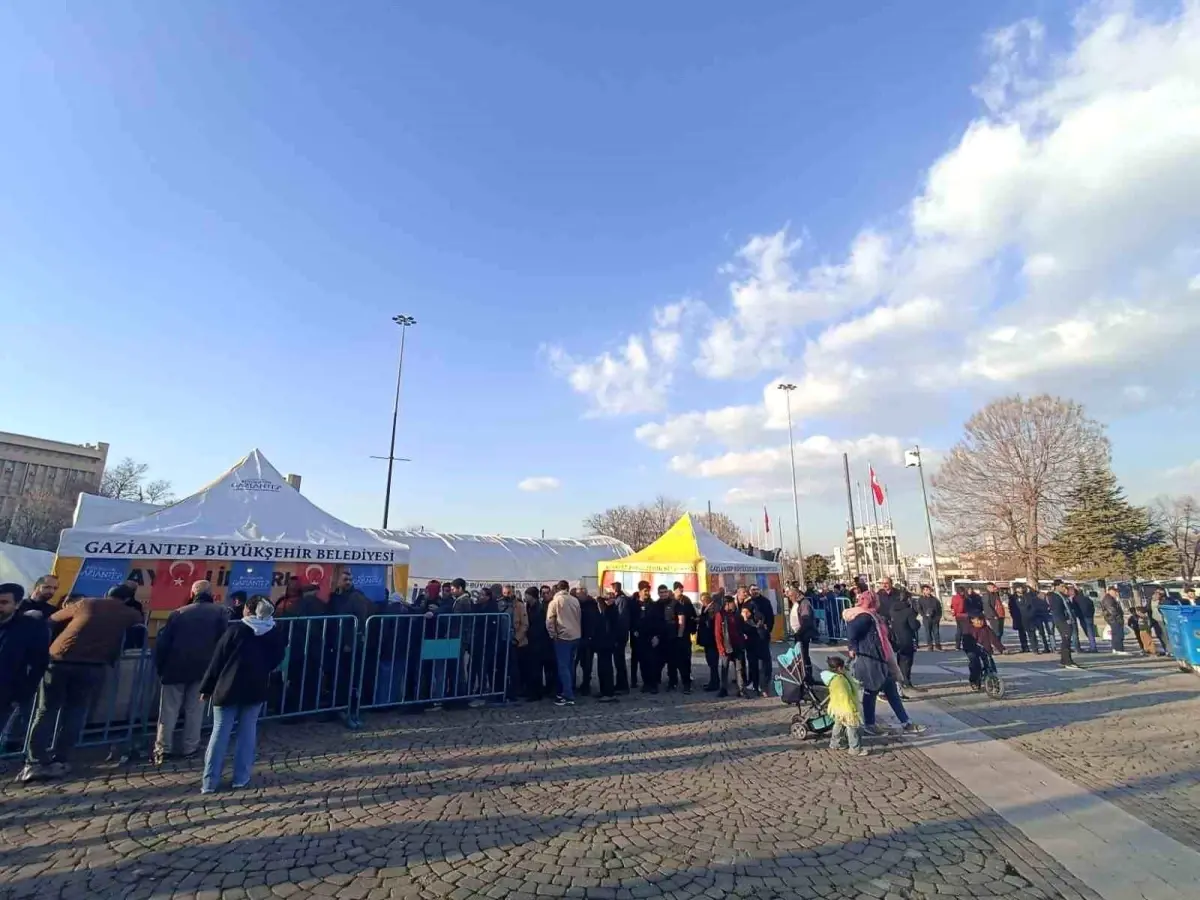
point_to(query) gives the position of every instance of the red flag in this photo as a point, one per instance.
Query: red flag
(766, 520)
(172, 585)
(876, 489)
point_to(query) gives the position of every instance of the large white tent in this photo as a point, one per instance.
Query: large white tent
(23, 565)
(483, 559)
(94, 511)
(243, 531)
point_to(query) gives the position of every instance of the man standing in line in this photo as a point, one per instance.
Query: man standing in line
(641, 605)
(1015, 616)
(706, 638)
(887, 594)
(625, 607)
(38, 604)
(1114, 616)
(604, 639)
(24, 655)
(958, 609)
(182, 651)
(91, 640)
(683, 620)
(1060, 614)
(563, 624)
(652, 631)
(589, 620)
(930, 608)
(1085, 608)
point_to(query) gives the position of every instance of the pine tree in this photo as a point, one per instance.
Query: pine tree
(1105, 536)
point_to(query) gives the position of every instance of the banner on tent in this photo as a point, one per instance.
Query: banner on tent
(162, 585)
(230, 550)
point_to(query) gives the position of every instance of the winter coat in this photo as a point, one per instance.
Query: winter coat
(930, 607)
(520, 622)
(991, 606)
(1015, 613)
(973, 605)
(624, 605)
(705, 626)
(240, 671)
(540, 643)
(185, 645)
(589, 619)
(762, 605)
(727, 631)
(870, 665)
(904, 627)
(981, 637)
(563, 618)
(1039, 609)
(958, 606)
(886, 600)
(24, 655)
(1111, 609)
(1059, 610)
(94, 632)
(605, 636)
(686, 609)
(1087, 607)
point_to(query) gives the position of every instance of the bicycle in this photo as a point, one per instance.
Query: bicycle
(992, 683)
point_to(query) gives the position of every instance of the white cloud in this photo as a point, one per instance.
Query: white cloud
(1050, 248)
(813, 452)
(637, 377)
(536, 483)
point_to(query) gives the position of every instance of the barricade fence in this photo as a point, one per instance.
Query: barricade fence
(331, 667)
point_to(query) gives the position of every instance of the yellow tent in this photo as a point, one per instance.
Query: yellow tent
(691, 554)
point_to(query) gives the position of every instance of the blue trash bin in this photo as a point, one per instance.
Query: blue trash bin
(1183, 633)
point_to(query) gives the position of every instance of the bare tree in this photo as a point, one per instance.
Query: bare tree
(127, 481)
(1179, 519)
(640, 526)
(37, 520)
(1010, 477)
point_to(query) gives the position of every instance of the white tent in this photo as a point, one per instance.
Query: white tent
(94, 511)
(482, 559)
(23, 565)
(249, 513)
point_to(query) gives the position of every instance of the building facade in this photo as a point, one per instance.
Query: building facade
(875, 550)
(38, 466)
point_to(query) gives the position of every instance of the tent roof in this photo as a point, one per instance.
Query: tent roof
(24, 565)
(94, 511)
(249, 504)
(687, 542)
(488, 558)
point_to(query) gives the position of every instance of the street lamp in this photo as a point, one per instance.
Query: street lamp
(913, 458)
(787, 393)
(404, 322)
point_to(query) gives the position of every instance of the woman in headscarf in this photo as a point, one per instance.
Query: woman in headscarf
(874, 661)
(236, 681)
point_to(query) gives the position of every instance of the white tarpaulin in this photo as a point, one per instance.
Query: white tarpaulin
(250, 512)
(23, 565)
(482, 559)
(94, 511)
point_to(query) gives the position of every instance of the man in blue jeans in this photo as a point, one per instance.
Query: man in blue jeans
(563, 623)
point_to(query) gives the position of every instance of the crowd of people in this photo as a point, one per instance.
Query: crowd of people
(547, 643)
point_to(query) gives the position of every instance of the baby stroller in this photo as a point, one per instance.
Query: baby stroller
(811, 701)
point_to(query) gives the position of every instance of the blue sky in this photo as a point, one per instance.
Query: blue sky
(211, 212)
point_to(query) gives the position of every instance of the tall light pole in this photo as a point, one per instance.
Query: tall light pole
(787, 393)
(913, 458)
(404, 322)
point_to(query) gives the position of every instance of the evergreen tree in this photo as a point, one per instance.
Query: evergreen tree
(1105, 536)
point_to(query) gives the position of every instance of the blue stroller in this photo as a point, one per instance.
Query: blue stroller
(811, 701)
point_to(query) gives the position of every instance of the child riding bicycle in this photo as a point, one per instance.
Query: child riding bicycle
(979, 643)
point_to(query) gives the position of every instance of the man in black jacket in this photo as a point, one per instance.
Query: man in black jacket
(706, 638)
(606, 639)
(681, 625)
(1084, 607)
(182, 652)
(1114, 615)
(24, 656)
(1060, 615)
(930, 608)
(1017, 617)
(625, 607)
(887, 594)
(589, 623)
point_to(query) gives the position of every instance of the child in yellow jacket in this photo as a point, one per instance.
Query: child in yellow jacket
(844, 708)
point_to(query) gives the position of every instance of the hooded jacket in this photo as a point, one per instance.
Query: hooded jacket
(24, 655)
(727, 632)
(240, 670)
(563, 618)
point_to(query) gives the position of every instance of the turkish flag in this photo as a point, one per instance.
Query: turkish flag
(876, 489)
(173, 580)
(320, 574)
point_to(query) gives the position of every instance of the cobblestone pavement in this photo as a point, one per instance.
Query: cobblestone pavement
(666, 797)
(1127, 729)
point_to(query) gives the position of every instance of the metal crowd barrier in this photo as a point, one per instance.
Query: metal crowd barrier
(828, 615)
(330, 667)
(422, 659)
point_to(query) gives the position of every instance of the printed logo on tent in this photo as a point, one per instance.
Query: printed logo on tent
(371, 580)
(256, 485)
(253, 578)
(96, 576)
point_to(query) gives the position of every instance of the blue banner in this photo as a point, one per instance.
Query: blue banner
(96, 576)
(371, 580)
(251, 577)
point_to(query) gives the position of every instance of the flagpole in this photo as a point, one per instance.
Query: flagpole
(937, 588)
(875, 516)
(850, 504)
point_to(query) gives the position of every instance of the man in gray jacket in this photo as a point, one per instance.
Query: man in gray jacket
(182, 652)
